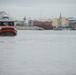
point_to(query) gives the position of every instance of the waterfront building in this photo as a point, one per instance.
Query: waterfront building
(60, 22)
(71, 22)
(30, 22)
(55, 22)
(64, 22)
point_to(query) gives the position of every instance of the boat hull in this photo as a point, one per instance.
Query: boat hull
(8, 30)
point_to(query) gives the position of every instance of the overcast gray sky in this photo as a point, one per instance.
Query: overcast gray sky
(39, 8)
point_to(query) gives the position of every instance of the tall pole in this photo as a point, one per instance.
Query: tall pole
(60, 20)
(41, 13)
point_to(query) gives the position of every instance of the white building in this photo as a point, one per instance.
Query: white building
(72, 21)
(64, 21)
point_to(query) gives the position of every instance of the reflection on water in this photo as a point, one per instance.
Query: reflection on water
(38, 53)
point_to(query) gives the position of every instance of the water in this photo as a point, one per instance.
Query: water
(38, 53)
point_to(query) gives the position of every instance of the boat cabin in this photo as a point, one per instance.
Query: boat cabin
(7, 28)
(6, 23)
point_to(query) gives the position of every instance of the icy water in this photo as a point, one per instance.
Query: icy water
(38, 53)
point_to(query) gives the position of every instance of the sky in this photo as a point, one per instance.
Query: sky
(35, 9)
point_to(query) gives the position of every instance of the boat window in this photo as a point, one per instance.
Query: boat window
(11, 23)
(3, 23)
(7, 29)
(6, 23)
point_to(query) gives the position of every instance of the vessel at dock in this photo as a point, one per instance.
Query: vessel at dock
(47, 25)
(7, 26)
(8, 30)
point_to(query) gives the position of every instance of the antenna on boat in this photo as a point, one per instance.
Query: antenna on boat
(9, 14)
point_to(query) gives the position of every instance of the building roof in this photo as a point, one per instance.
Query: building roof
(71, 18)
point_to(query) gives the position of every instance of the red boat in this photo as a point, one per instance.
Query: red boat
(74, 28)
(46, 25)
(8, 30)
(7, 27)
